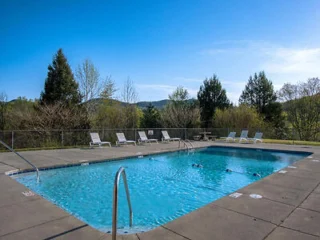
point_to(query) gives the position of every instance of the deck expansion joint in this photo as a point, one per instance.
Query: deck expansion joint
(296, 230)
(280, 225)
(20, 230)
(245, 214)
(292, 188)
(276, 201)
(138, 236)
(308, 209)
(175, 232)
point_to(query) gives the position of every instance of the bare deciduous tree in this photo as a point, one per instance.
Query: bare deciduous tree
(92, 86)
(129, 96)
(88, 77)
(180, 112)
(129, 93)
(58, 116)
(302, 104)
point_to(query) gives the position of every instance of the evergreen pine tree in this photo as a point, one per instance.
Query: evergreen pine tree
(60, 85)
(259, 93)
(211, 96)
(151, 117)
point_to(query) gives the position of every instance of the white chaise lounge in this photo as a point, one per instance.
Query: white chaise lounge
(257, 137)
(122, 140)
(95, 140)
(231, 137)
(144, 139)
(244, 136)
(167, 138)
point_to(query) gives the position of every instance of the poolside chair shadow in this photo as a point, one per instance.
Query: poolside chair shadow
(86, 148)
(122, 140)
(66, 232)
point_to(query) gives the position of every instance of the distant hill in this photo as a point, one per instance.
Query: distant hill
(158, 104)
(143, 104)
(97, 101)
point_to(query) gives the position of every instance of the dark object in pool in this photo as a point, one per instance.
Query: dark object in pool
(197, 165)
(228, 170)
(256, 175)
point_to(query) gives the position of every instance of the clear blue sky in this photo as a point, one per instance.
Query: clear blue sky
(160, 44)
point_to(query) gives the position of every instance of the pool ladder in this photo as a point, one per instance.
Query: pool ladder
(34, 167)
(185, 144)
(121, 172)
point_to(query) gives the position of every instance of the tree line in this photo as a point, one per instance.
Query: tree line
(85, 100)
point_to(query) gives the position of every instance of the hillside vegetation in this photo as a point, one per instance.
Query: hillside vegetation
(87, 101)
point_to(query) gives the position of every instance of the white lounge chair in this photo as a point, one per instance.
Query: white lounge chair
(231, 137)
(257, 137)
(95, 140)
(143, 138)
(244, 136)
(167, 138)
(122, 139)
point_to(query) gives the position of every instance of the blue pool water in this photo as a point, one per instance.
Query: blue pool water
(162, 187)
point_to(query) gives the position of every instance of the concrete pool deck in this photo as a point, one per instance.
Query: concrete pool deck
(289, 207)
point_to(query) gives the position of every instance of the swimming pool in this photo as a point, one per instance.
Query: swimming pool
(162, 187)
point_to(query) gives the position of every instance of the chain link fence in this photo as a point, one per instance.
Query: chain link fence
(20, 139)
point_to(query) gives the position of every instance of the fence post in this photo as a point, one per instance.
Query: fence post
(185, 134)
(12, 139)
(62, 138)
(293, 133)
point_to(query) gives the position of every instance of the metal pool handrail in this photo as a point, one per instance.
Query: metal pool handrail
(37, 170)
(185, 144)
(120, 172)
(188, 141)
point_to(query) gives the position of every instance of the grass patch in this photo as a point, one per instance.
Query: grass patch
(291, 142)
(44, 148)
